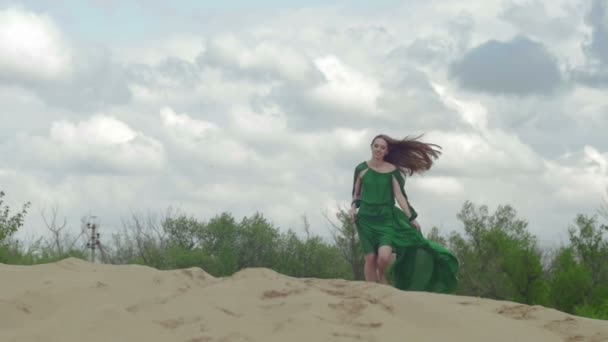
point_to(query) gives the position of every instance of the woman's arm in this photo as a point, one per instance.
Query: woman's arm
(356, 197)
(357, 192)
(400, 198)
(403, 202)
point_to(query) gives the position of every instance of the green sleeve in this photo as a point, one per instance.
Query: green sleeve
(401, 180)
(362, 166)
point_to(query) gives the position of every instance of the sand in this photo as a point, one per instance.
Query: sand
(73, 300)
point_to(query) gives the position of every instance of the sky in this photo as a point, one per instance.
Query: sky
(115, 108)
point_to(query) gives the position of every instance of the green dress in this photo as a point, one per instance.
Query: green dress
(421, 264)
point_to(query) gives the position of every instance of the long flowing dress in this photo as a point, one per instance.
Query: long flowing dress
(420, 264)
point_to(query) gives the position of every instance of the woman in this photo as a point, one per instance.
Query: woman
(384, 229)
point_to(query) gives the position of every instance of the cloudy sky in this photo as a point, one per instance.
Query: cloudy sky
(114, 107)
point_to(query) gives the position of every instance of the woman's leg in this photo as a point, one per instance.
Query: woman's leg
(385, 257)
(370, 269)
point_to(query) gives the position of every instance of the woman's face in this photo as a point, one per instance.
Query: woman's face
(379, 148)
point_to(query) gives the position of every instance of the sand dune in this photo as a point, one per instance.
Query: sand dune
(73, 300)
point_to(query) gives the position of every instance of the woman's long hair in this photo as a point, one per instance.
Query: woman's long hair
(409, 154)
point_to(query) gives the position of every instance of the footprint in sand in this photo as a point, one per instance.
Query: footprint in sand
(24, 307)
(467, 303)
(348, 310)
(188, 273)
(351, 336)
(358, 295)
(200, 339)
(566, 327)
(375, 301)
(19, 305)
(349, 307)
(133, 308)
(338, 285)
(171, 324)
(270, 294)
(369, 325)
(518, 311)
(334, 292)
(100, 285)
(228, 312)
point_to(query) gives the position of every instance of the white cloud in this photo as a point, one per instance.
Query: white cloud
(182, 46)
(346, 88)
(206, 141)
(579, 178)
(267, 122)
(588, 105)
(101, 144)
(100, 130)
(184, 126)
(33, 47)
(264, 59)
(553, 22)
(598, 160)
(473, 113)
(350, 139)
(63, 72)
(481, 150)
(153, 88)
(443, 186)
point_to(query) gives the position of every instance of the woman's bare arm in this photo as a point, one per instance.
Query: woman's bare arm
(403, 203)
(400, 198)
(357, 194)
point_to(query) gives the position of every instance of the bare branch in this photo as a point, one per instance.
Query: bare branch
(54, 228)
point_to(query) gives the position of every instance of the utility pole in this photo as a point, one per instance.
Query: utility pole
(93, 242)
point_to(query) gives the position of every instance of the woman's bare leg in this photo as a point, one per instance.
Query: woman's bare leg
(370, 269)
(385, 257)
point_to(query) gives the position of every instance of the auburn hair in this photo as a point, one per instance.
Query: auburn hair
(410, 154)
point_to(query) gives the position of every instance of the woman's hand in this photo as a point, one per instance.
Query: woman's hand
(353, 214)
(416, 224)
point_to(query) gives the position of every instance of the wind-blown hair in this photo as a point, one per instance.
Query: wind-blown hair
(409, 154)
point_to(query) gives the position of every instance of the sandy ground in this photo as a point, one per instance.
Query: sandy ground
(73, 300)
